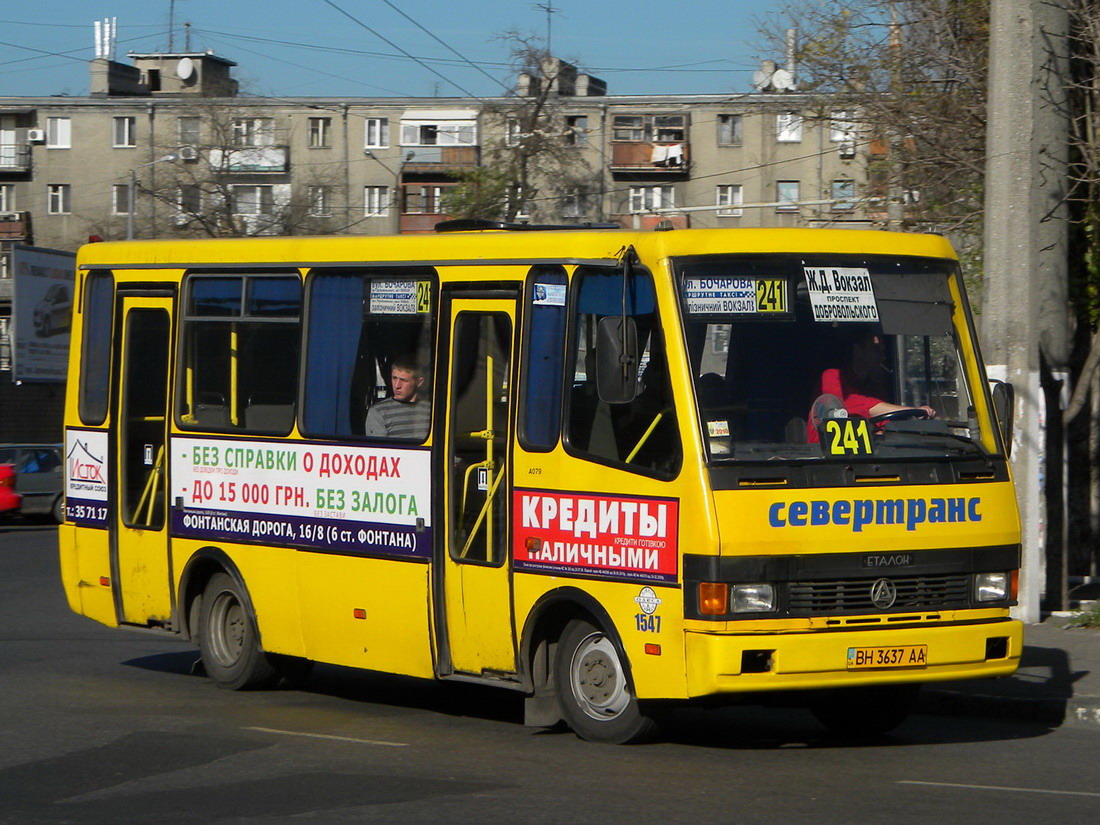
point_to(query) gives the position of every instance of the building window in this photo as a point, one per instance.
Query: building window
(842, 127)
(188, 128)
(254, 131)
(59, 133)
(787, 196)
(844, 195)
(423, 200)
(320, 129)
(253, 200)
(377, 133)
(320, 201)
(788, 127)
(730, 197)
(512, 133)
(376, 201)
(124, 132)
(576, 130)
(7, 197)
(120, 199)
(643, 128)
(645, 198)
(574, 205)
(189, 199)
(58, 199)
(729, 130)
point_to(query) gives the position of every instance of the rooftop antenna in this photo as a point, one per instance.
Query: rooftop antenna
(106, 33)
(548, 7)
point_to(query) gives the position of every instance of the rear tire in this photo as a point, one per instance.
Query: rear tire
(228, 639)
(865, 712)
(594, 691)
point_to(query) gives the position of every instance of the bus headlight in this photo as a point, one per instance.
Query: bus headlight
(991, 587)
(752, 598)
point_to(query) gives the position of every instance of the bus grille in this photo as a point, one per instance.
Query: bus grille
(929, 592)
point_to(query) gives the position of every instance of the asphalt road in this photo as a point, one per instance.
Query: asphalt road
(109, 726)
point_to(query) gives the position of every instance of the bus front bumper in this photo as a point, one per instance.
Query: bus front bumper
(736, 663)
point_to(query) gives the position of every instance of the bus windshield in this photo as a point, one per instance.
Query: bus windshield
(835, 357)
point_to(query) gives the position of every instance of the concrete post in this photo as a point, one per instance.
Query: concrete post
(1025, 321)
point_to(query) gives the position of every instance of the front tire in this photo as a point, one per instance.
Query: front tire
(594, 690)
(228, 638)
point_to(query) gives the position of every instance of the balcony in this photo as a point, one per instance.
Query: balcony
(657, 158)
(437, 158)
(16, 226)
(15, 157)
(251, 160)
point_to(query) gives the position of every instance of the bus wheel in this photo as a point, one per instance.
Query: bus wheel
(863, 712)
(595, 695)
(228, 639)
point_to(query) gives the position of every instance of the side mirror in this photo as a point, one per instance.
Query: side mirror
(1004, 398)
(616, 360)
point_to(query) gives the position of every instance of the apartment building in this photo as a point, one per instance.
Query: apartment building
(166, 147)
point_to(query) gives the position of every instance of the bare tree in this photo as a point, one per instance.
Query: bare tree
(530, 164)
(914, 74)
(233, 179)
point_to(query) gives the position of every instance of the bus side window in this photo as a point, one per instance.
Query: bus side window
(95, 346)
(639, 435)
(544, 354)
(362, 325)
(241, 340)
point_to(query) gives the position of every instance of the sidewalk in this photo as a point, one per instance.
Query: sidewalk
(1058, 682)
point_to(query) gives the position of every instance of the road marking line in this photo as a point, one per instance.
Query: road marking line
(997, 788)
(329, 736)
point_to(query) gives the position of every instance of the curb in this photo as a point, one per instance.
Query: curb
(1079, 711)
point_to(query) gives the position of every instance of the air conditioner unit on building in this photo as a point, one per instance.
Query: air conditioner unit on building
(188, 153)
(36, 136)
(848, 149)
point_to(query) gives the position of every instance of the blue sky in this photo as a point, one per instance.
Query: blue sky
(315, 47)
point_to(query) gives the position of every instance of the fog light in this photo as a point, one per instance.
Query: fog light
(991, 587)
(753, 598)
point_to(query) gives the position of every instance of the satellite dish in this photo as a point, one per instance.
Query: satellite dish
(782, 80)
(762, 77)
(185, 68)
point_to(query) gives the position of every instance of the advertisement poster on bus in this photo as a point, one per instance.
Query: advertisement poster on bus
(86, 476)
(365, 501)
(623, 538)
(42, 310)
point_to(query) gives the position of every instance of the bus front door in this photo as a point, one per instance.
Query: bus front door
(143, 586)
(476, 598)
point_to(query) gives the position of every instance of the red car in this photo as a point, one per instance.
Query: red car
(9, 499)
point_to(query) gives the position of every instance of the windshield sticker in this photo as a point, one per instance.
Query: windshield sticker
(841, 294)
(718, 429)
(400, 297)
(549, 295)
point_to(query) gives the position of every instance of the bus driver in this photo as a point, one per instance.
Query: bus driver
(407, 414)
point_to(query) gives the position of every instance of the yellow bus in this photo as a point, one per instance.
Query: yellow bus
(611, 470)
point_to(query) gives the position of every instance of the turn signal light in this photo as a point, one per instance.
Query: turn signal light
(104, 581)
(533, 543)
(359, 613)
(713, 598)
(1014, 585)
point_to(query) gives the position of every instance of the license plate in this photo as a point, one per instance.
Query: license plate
(873, 658)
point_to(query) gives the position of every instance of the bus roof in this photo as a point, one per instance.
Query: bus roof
(500, 247)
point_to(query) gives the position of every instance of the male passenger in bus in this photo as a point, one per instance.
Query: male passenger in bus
(861, 384)
(408, 413)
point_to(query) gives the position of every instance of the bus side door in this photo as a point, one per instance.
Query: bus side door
(140, 561)
(474, 612)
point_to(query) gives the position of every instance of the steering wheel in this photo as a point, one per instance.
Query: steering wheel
(900, 415)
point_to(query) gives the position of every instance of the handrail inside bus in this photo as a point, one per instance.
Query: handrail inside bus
(149, 493)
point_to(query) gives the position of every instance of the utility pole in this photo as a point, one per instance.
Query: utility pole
(1025, 318)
